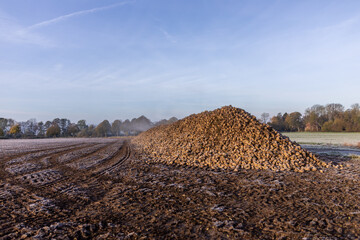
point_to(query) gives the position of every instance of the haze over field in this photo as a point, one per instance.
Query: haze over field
(112, 59)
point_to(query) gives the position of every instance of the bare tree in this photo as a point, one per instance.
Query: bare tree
(294, 122)
(333, 110)
(115, 127)
(265, 117)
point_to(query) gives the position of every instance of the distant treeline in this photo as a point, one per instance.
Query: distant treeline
(329, 118)
(63, 127)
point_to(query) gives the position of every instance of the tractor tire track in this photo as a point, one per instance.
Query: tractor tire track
(69, 189)
(122, 155)
(10, 157)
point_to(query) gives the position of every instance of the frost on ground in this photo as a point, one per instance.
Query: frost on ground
(12, 146)
(120, 196)
(324, 138)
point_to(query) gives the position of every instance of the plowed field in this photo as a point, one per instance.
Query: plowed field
(99, 189)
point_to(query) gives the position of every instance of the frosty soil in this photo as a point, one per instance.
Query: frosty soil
(99, 188)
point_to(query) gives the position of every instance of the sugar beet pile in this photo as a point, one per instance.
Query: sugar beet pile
(226, 138)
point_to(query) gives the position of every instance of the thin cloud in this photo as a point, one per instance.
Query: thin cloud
(343, 25)
(21, 36)
(12, 32)
(74, 14)
(168, 36)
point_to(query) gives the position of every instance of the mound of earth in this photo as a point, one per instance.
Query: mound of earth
(226, 138)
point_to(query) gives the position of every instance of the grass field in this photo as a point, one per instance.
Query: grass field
(331, 138)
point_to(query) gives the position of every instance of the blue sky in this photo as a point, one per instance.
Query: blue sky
(110, 59)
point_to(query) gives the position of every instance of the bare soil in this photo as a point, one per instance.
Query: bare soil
(100, 189)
